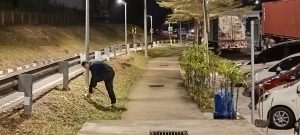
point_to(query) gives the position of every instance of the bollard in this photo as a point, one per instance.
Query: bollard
(25, 83)
(135, 47)
(98, 55)
(63, 67)
(115, 52)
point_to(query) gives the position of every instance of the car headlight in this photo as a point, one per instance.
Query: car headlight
(265, 96)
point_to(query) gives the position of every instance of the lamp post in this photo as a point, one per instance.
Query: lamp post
(87, 36)
(169, 29)
(125, 5)
(145, 28)
(151, 29)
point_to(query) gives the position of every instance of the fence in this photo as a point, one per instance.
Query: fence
(21, 17)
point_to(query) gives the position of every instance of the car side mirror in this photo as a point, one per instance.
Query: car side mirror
(298, 89)
(278, 70)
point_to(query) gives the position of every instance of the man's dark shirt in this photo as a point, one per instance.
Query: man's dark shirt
(100, 72)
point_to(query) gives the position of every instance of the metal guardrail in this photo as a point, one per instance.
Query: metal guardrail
(9, 84)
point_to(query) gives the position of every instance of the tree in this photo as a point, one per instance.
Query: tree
(195, 9)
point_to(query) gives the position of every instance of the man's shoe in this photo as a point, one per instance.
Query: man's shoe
(113, 105)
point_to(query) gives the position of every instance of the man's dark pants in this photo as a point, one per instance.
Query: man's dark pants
(108, 79)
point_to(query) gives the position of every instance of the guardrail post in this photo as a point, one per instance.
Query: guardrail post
(82, 57)
(115, 51)
(135, 47)
(25, 83)
(63, 67)
(128, 48)
(107, 53)
(120, 48)
(98, 55)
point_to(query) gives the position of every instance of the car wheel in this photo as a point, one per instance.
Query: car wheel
(281, 118)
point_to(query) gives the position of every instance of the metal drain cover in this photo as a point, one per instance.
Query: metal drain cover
(168, 133)
(156, 85)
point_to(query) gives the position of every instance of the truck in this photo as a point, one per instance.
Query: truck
(227, 32)
(280, 21)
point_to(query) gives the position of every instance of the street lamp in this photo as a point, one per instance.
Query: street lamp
(151, 30)
(180, 28)
(256, 2)
(125, 5)
(169, 31)
(87, 36)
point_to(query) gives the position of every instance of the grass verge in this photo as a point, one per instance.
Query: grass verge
(28, 44)
(64, 112)
(166, 51)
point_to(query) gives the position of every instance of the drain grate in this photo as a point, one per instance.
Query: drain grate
(168, 133)
(156, 85)
(163, 65)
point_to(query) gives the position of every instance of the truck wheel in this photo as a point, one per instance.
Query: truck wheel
(281, 118)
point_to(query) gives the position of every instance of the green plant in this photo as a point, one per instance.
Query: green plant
(202, 67)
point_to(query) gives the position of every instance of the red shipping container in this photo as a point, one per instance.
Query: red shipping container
(281, 18)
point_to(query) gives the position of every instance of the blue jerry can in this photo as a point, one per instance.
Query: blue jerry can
(224, 107)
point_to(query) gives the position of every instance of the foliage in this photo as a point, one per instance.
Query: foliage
(184, 10)
(201, 73)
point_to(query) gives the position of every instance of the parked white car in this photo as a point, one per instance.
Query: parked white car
(271, 68)
(280, 107)
(281, 66)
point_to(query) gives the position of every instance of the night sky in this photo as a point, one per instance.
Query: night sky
(135, 12)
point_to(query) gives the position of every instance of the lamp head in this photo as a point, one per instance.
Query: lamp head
(256, 2)
(120, 1)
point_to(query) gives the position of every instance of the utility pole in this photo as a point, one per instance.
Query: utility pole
(125, 4)
(145, 28)
(87, 38)
(180, 32)
(125, 34)
(252, 73)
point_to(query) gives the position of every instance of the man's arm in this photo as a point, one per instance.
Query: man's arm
(92, 85)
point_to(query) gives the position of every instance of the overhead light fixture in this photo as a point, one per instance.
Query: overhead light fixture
(256, 2)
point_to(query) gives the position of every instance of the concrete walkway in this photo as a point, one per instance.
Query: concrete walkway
(169, 102)
(160, 102)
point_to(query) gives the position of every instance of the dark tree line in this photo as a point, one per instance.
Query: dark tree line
(34, 5)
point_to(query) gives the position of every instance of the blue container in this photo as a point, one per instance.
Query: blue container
(224, 107)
